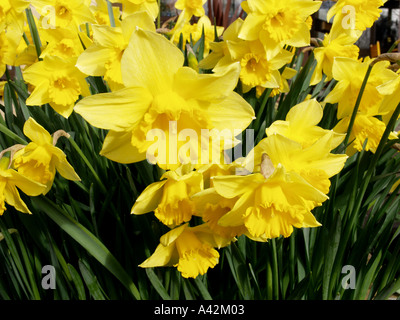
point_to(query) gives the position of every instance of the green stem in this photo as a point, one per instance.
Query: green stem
(159, 15)
(354, 114)
(267, 93)
(110, 13)
(275, 274)
(34, 31)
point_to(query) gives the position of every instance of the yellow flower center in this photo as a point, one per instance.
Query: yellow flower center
(195, 257)
(34, 163)
(282, 25)
(64, 90)
(255, 70)
(175, 206)
(212, 214)
(181, 126)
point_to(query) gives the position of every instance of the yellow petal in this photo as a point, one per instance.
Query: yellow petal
(251, 27)
(13, 198)
(306, 114)
(63, 167)
(36, 132)
(92, 61)
(149, 199)
(233, 186)
(160, 257)
(206, 87)
(231, 113)
(150, 61)
(170, 237)
(29, 187)
(117, 110)
(39, 95)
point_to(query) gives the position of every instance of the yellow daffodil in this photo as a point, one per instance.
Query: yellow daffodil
(341, 46)
(276, 22)
(132, 6)
(63, 43)
(191, 7)
(211, 206)
(390, 90)
(219, 50)
(365, 127)
(8, 48)
(354, 15)
(103, 57)
(63, 13)
(40, 159)
(12, 13)
(301, 125)
(259, 68)
(350, 75)
(56, 81)
(269, 205)
(100, 13)
(190, 249)
(10, 180)
(315, 163)
(217, 169)
(163, 104)
(170, 198)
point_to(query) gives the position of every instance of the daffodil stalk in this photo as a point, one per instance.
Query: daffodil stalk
(34, 32)
(355, 110)
(110, 13)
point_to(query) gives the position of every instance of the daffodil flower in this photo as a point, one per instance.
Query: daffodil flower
(166, 102)
(12, 14)
(366, 127)
(211, 207)
(61, 42)
(100, 13)
(351, 16)
(315, 163)
(350, 75)
(40, 159)
(170, 198)
(259, 68)
(391, 99)
(103, 57)
(269, 205)
(56, 81)
(341, 46)
(190, 249)
(133, 6)
(301, 125)
(8, 48)
(64, 13)
(276, 23)
(191, 7)
(10, 180)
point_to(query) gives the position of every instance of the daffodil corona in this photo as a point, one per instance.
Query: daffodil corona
(40, 159)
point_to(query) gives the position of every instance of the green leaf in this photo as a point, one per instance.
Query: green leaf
(91, 281)
(155, 281)
(77, 280)
(87, 240)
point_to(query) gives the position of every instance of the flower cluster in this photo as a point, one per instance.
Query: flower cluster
(164, 103)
